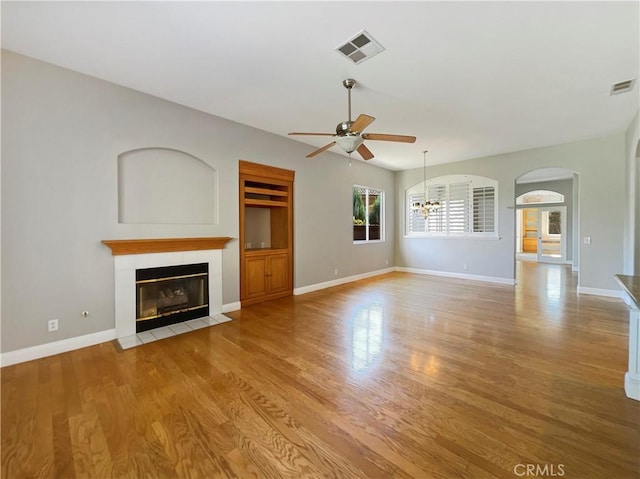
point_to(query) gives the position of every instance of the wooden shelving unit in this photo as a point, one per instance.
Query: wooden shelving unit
(266, 220)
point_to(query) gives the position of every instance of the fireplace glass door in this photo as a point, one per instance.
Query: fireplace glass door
(170, 295)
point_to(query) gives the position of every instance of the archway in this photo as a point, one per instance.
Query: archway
(546, 215)
(547, 224)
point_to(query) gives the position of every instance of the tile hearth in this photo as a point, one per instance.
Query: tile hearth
(145, 337)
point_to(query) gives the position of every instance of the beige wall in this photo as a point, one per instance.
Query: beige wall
(602, 208)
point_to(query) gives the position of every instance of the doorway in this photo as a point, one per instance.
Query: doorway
(542, 234)
(547, 224)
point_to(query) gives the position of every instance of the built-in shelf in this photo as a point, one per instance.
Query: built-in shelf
(264, 203)
(266, 219)
(265, 250)
(264, 191)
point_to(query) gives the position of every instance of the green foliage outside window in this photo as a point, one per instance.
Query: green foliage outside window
(374, 214)
(358, 208)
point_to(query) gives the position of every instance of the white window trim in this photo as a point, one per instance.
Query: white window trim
(382, 217)
(474, 182)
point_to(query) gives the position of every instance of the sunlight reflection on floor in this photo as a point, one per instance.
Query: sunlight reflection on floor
(366, 336)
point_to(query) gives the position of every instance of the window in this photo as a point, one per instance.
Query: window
(368, 214)
(553, 223)
(539, 197)
(468, 207)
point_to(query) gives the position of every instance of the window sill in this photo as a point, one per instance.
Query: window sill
(482, 238)
(368, 242)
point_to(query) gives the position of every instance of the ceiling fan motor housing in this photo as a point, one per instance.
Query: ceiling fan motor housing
(344, 128)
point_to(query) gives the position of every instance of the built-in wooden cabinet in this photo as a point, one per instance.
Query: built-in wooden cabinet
(266, 273)
(266, 232)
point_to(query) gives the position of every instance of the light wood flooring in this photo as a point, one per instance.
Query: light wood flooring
(396, 376)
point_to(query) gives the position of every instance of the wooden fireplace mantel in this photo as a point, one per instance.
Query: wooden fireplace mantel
(164, 245)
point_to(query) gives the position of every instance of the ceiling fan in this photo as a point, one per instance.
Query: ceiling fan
(349, 134)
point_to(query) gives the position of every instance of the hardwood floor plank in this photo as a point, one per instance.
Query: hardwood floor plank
(62, 449)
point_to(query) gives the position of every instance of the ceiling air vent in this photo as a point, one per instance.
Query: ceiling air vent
(622, 87)
(360, 47)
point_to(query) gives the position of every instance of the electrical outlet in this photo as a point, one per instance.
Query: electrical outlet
(335, 272)
(465, 266)
(52, 325)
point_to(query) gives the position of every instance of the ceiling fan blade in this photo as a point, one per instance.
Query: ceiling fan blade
(362, 122)
(386, 137)
(311, 134)
(365, 152)
(320, 150)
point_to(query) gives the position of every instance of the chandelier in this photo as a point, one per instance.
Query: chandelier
(424, 207)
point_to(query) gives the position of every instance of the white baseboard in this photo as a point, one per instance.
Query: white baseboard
(65, 345)
(339, 281)
(349, 279)
(57, 347)
(226, 308)
(611, 293)
(473, 277)
(632, 386)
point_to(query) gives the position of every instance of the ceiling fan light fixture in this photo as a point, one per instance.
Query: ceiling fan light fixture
(349, 143)
(349, 134)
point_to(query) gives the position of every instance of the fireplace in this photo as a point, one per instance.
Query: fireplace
(130, 256)
(171, 294)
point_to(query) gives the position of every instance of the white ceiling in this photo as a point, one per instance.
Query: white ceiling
(468, 79)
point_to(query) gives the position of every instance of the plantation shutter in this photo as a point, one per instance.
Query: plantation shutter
(437, 219)
(458, 208)
(468, 207)
(417, 223)
(484, 209)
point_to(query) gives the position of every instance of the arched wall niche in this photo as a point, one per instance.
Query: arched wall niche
(166, 186)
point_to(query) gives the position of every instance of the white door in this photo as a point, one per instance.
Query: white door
(552, 234)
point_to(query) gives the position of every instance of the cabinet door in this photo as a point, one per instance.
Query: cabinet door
(255, 276)
(278, 273)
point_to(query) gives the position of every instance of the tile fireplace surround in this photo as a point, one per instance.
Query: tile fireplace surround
(130, 255)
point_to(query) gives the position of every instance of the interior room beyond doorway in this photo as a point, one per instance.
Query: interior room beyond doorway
(546, 216)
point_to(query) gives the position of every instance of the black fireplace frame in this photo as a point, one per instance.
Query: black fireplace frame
(160, 273)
